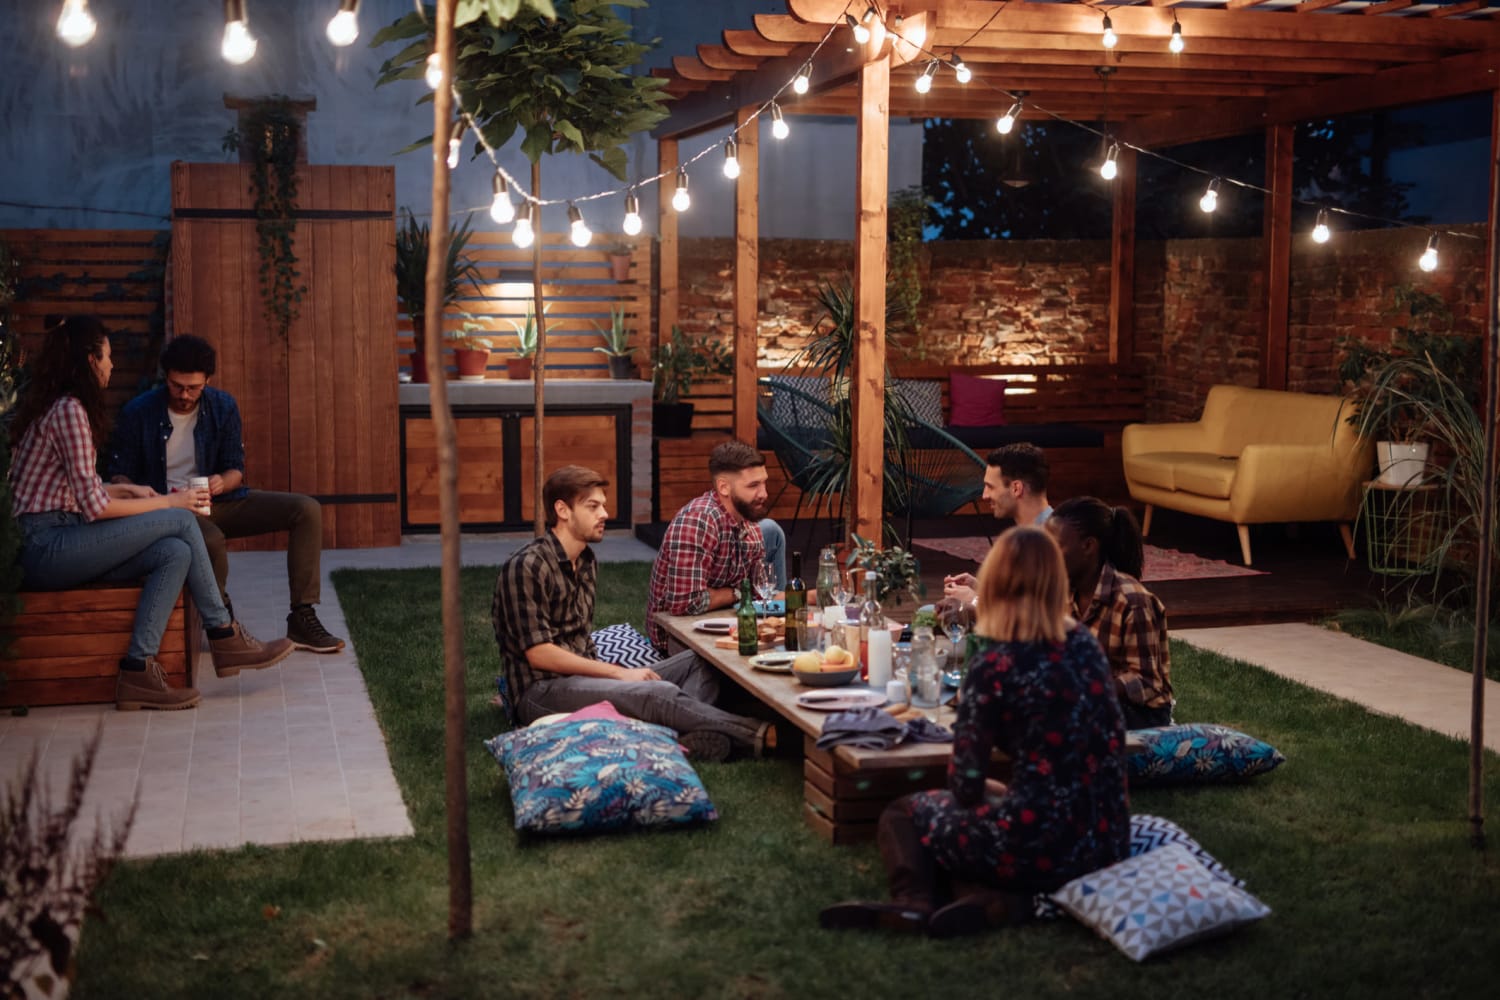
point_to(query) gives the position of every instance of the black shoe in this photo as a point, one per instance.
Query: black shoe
(978, 912)
(306, 632)
(705, 746)
(860, 916)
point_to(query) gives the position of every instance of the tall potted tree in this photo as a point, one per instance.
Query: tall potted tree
(412, 242)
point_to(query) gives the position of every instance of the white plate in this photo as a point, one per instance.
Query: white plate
(840, 701)
(779, 662)
(716, 626)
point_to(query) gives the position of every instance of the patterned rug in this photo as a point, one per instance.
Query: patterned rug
(1161, 564)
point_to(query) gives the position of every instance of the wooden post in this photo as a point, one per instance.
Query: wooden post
(1122, 263)
(746, 275)
(867, 388)
(1278, 256)
(455, 688)
(666, 303)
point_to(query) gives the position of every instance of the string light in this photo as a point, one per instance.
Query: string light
(924, 82)
(1210, 199)
(75, 25)
(803, 78)
(1110, 39)
(778, 124)
(343, 29)
(456, 142)
(1110, 169)
(1175, 44)
(578, 230)
(961, 72)
(434, 73)
(501, 209)
(1320, 231)
(1429, 259)
(1007, 121)
(632, 223)
(861, 33)
(731, 159)
(525, 232)
(680, 198)
(238, 46)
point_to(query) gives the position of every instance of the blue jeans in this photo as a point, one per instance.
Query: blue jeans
(774, 535)
(165, 547)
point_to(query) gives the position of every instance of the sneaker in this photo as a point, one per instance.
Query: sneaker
(242, 651)
(306, 632)
(703, 745)
(138, 689)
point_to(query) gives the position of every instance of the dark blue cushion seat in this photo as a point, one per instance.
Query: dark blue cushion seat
(1044, 436)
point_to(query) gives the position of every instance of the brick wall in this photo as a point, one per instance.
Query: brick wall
(1197, 311)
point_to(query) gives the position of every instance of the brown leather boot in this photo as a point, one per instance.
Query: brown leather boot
(242, 651)
(138, 689)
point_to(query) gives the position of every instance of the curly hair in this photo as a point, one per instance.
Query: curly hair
(61, 368)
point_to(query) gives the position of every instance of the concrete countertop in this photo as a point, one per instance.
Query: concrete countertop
(561, 391)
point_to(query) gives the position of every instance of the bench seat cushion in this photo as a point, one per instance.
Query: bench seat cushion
(1044, 436)
(1196, 472)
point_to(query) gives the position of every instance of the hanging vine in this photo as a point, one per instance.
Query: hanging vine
(907, 213)
(271, 131)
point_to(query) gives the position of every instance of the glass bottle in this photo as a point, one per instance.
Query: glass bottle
(828, 588)
(926, 679)
(874, 638)
(748, 627)
(796, 606)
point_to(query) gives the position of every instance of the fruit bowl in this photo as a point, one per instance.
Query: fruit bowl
(826, 678)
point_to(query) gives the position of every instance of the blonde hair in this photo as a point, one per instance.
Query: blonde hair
(1023, 589)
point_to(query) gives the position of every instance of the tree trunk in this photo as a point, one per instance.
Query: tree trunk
(539, 368)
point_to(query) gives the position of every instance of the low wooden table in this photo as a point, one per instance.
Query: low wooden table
(844, 789)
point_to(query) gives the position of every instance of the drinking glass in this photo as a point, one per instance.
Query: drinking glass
(763, 579)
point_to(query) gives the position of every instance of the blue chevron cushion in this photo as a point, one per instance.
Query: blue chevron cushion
(622, 644)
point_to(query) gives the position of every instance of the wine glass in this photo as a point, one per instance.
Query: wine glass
(956, 626)
(763, 580)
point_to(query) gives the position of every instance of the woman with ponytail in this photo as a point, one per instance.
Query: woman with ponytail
(1102, 549)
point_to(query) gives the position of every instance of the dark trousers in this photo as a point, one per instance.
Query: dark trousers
(910, 871)
(260, 512)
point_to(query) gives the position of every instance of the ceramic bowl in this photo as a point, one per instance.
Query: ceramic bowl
(826, 678)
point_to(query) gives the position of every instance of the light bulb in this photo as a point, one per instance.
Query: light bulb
(1176, 44)
(961, 72)
(1429, 259)
(239, 45)
(802, 80)
(778, 124)
(680, 197)
(75, 25)
(924, 82)
(344, 28)
(1110, 39)
(1007, 121)
(501, 209)
(1110, 169)
(578, 230)
(434, 74)
(1320, 231)
(525, 233)
(731, 159)
(861, 33)
(1210, 199)
(632, 223)
(454, 145)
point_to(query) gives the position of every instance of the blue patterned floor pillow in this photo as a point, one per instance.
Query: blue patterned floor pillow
(594, 775)
(622, 644)
(1200, 753)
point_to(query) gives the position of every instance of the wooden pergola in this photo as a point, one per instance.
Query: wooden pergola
(1247, 66)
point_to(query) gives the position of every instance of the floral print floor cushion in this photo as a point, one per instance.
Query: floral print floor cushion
(593, 775)
(1200, 753)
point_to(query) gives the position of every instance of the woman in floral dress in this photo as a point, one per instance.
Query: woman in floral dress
(1039, 690)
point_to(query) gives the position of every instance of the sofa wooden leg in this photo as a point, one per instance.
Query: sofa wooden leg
(1346, 532)
(1146, 521)
(1244, 530)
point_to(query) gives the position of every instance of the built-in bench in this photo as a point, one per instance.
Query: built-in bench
(66, 645)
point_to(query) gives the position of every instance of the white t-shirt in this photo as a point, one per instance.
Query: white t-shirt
(182, 461)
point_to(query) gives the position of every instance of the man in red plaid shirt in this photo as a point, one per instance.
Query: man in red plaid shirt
(713, 543)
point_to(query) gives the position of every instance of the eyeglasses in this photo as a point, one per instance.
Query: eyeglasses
(179, 389)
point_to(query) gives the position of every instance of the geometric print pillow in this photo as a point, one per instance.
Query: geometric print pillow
(923, 398)
(1161, 900)
(1200, 753)
(591, 775)
(622, 644)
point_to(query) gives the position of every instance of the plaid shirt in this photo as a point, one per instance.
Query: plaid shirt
(1131, 624)
(54, 465)
(705, 547)
(541, 598)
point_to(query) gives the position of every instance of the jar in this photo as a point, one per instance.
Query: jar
(926, 678)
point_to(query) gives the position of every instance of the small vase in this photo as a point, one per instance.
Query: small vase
(619, 266)
(518, 369)
(471, 363)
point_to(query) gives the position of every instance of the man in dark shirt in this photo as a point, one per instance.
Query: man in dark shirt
(543, 613)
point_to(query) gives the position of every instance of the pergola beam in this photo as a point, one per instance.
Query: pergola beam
(746, 275)
(867, 389)
(1277, 253)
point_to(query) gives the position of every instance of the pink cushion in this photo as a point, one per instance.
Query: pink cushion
(975, 401)
(598, 710)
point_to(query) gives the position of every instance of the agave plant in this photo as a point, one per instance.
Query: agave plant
(617, 337)
(526, 331)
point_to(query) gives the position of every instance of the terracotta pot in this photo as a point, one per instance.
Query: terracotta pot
(518, 369)
(471, 363)
(619, 266)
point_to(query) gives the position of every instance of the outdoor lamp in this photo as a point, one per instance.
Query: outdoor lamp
(1210, 199)
(778, 124)
(1110, 39)
(1109, 169)
(800, 83)
(924, 82)
(344, 28)
(1008, 120)
(1176, 44)
(434, 74)
(1320, 231)
(680, 198)
(861, 33)
(578, 230)
(731, 159)
(501, 209)
(632, 223)
(1429, 259)
(525, 232)
(239, 44)
(75, 25)
(961, 72)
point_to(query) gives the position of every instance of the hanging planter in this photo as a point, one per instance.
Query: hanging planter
(619, 265)
(269, 137)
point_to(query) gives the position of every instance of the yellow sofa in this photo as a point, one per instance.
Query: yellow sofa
(1257, 456)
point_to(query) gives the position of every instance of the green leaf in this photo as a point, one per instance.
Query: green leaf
(614, 160)
(468, 11)
(570, 79)
(570, 132)
(538, 141)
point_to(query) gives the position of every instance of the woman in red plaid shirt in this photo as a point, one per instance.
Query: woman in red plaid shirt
(77, 530)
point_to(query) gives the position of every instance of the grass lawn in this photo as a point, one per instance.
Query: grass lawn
(1424, 630)
(1358, 843)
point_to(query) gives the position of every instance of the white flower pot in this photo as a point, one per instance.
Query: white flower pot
(1401, 464)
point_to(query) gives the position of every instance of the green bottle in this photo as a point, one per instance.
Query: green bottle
(796, 606)
(749, 631)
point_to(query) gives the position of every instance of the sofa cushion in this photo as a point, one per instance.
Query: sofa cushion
(1206, 475)
(923, 397)
(788, 410)
(976, 401)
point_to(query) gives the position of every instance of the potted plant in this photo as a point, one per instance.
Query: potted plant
(518, 368)
(619, 261)
(617, 345)
(898, 574)
(471, 353)
(412, 242)
(675, 364)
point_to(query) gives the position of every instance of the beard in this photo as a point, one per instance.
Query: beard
(751, 510)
